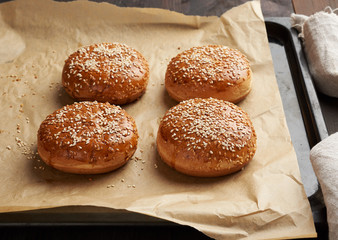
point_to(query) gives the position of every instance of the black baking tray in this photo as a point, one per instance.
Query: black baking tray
(306, 125)
(302, 108)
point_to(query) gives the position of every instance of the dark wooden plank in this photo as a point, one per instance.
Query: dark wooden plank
(270, 8)
(277, 8)
(308, 7)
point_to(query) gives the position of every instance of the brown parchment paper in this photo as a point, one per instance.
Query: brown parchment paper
(264, 201)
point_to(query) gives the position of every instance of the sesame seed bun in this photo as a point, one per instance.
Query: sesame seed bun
(209, 71)
(87, 138)
(206, 138)
(106, 72)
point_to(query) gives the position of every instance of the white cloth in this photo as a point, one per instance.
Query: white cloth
(324, 159)
(319, 33)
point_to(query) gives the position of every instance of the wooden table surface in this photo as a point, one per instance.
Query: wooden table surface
(308, 7)
(270, 8)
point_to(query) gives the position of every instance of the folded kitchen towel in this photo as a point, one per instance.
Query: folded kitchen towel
(324, 159)
(319, 33)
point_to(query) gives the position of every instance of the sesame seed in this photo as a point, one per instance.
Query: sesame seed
(208, 65)
(208, 125)
(86, 123)
(104, 65)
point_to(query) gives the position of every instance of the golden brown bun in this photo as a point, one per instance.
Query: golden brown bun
(106, 72)
(209, 71)
(206, 138)
(87, 138)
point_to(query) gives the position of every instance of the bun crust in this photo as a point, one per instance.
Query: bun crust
(87, 138)
(209, 71)
(106, 72)
(206, 138)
